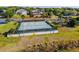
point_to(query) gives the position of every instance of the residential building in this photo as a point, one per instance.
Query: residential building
(22, 12)
(37, 13)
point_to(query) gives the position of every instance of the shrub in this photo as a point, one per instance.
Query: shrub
(55, 45)
(71, 23)
(55, 26)
(16, 16)
(53, 17)
(27, 16)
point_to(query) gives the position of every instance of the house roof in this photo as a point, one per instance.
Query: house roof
(37, 12)
(21, 10)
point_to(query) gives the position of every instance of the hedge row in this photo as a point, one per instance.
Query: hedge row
(54, 46)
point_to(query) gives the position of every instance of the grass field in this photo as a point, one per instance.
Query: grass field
(5, 41)
(9, 26)
(66, 40)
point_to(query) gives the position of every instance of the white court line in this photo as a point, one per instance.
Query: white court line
(33, 33)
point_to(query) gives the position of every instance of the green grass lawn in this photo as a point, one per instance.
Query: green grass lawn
(4, 41)
(6, 27)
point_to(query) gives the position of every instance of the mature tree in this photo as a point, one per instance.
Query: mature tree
(29, 9)
(11, 11)
(71, 23)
